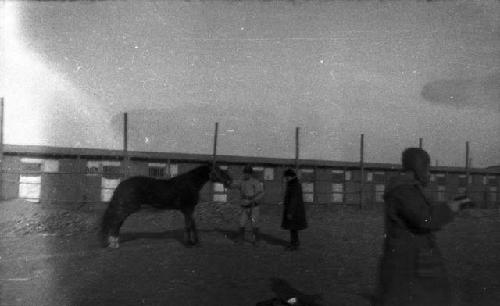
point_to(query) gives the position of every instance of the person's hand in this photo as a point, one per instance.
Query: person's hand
(466, 203)
(456, 205)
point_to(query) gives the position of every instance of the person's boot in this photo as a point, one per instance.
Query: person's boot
(241, 236)
(256, 236)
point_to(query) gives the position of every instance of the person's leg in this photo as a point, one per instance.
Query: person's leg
(294, 235)
(243, 220)
(255, 223)
(294, 240)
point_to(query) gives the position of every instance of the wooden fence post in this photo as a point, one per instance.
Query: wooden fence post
(362, 170)
(125, 166)
(2, 197)
(467, 167)
(214, 152)
(297, 130)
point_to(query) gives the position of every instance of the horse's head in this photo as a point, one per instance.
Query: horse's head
(220, 176)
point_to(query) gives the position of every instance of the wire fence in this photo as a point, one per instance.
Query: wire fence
(89, 189)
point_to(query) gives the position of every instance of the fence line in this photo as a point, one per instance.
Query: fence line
(488, 197)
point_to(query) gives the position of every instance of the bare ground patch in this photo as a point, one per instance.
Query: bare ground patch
(52, 257)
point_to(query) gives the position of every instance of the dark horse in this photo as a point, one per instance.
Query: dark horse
(180, 193)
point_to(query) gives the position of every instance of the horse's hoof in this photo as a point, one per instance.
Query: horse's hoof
(113, 242)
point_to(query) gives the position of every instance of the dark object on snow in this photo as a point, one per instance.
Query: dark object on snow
(278, 302)
(287, 295)
(179, 193)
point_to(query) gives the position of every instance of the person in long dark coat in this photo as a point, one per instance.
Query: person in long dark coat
(412, 269)
(294, 213)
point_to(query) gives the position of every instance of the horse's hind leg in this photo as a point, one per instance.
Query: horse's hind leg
(194, 231)
(190, 234)
(187, 228)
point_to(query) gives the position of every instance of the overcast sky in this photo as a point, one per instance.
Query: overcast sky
(392, 70)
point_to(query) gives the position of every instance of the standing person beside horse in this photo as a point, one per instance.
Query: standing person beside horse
(294, 213)
(412, 270)
(251, 192)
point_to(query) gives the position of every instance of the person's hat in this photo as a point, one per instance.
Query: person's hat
(248, 169)
(289, 173)
(416, 160)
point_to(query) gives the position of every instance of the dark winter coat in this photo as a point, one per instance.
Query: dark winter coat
(294, 204)
(412, 270)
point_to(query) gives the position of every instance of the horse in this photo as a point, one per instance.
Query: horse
(178, 193)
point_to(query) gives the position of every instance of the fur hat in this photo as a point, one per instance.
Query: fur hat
(289, 173)
(248, 169)
(418, 161)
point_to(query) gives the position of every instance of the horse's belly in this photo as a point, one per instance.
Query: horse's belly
(159, 206)
(165, 204)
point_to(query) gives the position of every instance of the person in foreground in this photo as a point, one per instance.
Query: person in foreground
(412, 269)
(294, 213)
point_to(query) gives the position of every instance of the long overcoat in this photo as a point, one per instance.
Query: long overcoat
(412, 269)
(294, 204)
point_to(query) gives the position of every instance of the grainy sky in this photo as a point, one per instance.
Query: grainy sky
(392, 70)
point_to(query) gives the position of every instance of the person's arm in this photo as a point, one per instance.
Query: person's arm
(412, 208)
(259, 191)
(236, 184)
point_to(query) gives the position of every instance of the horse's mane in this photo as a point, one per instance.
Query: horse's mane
(202, 169)
(200, 172)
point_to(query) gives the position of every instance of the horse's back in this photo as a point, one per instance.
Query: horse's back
(136, 183)
(180, 192)
(140, 190)
(134, 189)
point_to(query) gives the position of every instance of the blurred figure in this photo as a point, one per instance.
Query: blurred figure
(251, 191)
(412, 269)
(294, 213)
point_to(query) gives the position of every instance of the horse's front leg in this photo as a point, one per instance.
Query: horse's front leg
(188, 225)
(194, 231)
(112, 222)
